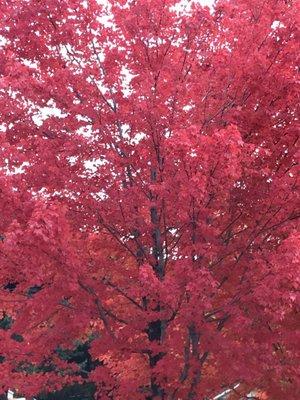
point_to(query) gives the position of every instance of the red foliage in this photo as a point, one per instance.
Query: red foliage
(178, 251)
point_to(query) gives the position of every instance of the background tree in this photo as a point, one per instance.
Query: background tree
(148, 196)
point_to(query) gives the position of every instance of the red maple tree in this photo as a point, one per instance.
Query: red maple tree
(148, 196)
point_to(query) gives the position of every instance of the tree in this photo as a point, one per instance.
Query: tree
(149, 197)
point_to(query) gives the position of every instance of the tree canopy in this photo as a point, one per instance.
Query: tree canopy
(149, 197)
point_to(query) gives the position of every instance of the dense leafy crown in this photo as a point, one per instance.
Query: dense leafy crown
(148, 197)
